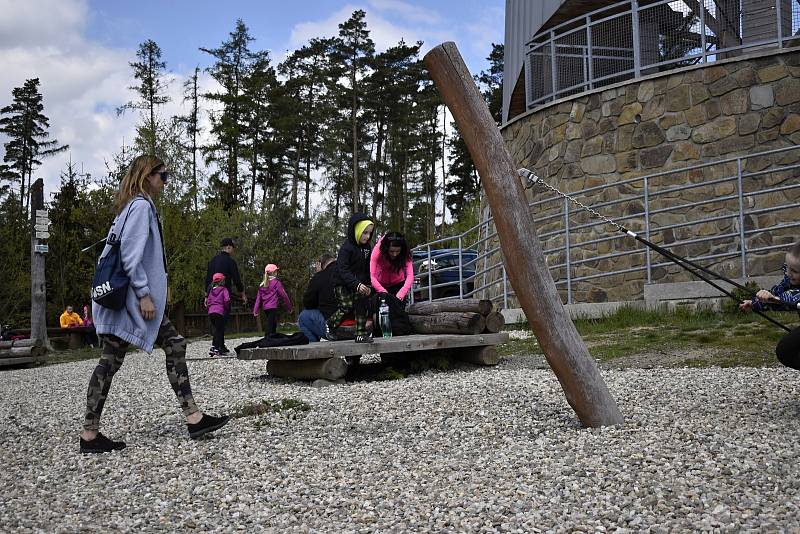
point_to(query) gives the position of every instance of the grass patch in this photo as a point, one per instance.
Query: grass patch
(706, 338)
(289, 408)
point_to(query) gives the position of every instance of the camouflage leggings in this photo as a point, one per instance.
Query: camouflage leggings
(114, 349)
(349, 301)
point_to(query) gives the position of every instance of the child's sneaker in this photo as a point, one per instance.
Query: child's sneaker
(364, 338)
(213, 351)
(329, 335)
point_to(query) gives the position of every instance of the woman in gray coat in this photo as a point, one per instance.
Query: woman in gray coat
(142, 322)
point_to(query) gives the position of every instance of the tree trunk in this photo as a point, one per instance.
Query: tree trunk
(429, 307)
(329, 369)
(355, 139)
(448, 323)
(527, 271)
(38, 282)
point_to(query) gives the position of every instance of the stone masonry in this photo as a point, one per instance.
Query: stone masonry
(597, 146)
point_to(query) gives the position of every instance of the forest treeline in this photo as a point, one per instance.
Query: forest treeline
(276, 156)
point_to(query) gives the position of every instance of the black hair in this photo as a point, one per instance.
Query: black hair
(398, 240)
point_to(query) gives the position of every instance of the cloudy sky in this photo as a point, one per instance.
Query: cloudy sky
(80, 50)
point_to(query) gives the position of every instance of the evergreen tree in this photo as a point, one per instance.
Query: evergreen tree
(149, 74)
(491, 82)
(26, 125)
(234, 62)
(355, 50)
(191, 124)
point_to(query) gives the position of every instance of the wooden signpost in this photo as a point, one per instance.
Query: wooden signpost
(528, 273)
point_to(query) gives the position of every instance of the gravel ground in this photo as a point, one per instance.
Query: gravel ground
(468, 450)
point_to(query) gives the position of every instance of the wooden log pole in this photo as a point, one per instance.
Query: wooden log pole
(429, 307)
(494, 322)
(527, 271)
(328, 368)
(448, 323)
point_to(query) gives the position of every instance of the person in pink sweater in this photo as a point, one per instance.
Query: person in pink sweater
(390, 266)
(218, 301)
(270, 290)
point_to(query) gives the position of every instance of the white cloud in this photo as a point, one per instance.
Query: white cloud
(408, 11)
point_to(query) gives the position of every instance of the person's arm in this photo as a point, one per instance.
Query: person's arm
(132, 244)
(226, 298)
(237, 281)
(374, 262)
(64, 320)
(284, 297)
(342, 265)
(409, 280)
(209, 274)
(257, 304)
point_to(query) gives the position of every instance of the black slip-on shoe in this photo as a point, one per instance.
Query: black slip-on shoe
(100, 444)
(208, 423)
(329, 335)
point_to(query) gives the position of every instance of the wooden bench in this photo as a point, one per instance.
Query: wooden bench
(77, 335)
(329, 360)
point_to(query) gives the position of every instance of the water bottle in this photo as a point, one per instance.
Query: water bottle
(383, 319)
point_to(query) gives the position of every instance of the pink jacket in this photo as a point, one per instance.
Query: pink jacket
(218, 300)
(382, 274)
(267, 298)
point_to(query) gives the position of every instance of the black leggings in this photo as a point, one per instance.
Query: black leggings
(271, 321)
(788, 349)
(217, 330)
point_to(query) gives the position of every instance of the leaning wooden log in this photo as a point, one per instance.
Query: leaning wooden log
(494, 322)
(448, 323)
(429, 307)
(524, 261)
(328, 368)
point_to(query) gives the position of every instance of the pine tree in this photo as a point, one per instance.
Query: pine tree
(234, 62)
(191, 124)
(355, 49)
(25, 124)
(491, 82)
(149, 74)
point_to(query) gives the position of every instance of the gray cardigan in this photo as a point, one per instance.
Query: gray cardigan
(142, 253)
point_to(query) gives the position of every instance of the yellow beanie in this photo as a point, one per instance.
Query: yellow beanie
(360, 227)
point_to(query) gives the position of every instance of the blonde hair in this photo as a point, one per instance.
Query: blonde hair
(135, 180)
(267, 278)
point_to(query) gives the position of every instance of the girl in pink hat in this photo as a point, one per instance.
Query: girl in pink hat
(218, 303)
(270, 290)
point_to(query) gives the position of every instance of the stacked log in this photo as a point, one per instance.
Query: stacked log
(467, 316)
(20, 351)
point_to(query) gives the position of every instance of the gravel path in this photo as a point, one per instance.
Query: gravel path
(469, 450)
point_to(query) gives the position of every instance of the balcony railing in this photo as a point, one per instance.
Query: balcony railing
(635, 38)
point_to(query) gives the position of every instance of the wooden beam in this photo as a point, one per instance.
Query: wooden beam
(429, 307)
(528, 273)
(448, 323)
(495, 322)
(329, 369)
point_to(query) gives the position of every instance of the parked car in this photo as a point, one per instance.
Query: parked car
(443, 269)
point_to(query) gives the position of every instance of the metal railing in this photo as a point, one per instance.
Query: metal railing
(727, 213)
(634, 38)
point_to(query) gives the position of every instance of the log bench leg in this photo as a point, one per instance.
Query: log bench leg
(75, 340)
(327, 368)
(478, 355)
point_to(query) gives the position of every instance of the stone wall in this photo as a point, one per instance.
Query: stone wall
(593, 145)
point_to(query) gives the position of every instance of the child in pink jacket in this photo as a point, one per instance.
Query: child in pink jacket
(269, 292)
(218, 302)
(390, 266)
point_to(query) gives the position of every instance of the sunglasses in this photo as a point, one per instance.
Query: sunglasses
(164, 175)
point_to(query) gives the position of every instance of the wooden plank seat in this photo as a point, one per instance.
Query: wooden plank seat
(329, 360)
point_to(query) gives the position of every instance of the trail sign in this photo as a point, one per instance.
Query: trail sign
(41, 213)
(42, 249)
(41, 227)
(42, 235)
(42, 220)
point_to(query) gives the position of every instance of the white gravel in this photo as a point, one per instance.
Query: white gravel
(469, 450)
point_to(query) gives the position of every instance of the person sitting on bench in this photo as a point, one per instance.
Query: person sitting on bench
(70, 318)
(319, 302)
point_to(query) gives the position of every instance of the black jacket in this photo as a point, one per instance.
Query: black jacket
(223, 263)
(319, 293)
(352, 263)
